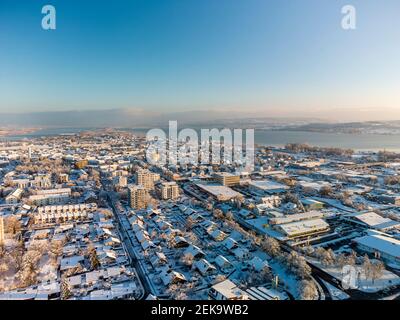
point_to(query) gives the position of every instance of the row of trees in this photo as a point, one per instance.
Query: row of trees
(372, 270)
(25, 264)
(392, 180)
(304, 147)
(46, 165)
(295, 264)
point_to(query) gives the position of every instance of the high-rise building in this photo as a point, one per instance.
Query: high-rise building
(227, 179)
(146, 178)
(138, 197)
(1, 229)
(169, 190)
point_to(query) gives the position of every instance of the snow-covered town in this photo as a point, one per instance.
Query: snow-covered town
(86, 217)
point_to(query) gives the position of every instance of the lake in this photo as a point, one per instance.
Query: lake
(362, 142)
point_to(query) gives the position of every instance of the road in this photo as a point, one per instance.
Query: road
(128, 244)
(130, 248)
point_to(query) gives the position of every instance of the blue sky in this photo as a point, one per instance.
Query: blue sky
(274, 56)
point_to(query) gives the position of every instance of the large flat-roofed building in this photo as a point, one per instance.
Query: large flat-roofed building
(303, 228)
(297, 217)
(227, 179)
(372, 220)
(221, 193)
(51, 197)
(54, 191)
(388, 248)
(169, 190)
(314, 186)
(300, 225)
(267, 187)
(138, 197)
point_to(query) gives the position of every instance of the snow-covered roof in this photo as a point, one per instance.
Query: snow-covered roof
(195, 251)
(218, 235)
(258, 264)
(171, 277)
(222, 262)
(241, 252)
(71, 262)
(230, 243)
(373, 220)
(220, 192)
(297, 217)
(204, 266)
(268, 185)
(387, 245)
(301, 227)
(229, 290)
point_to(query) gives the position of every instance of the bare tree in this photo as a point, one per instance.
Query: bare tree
(367, 267)
(187, 259)
(217, 213)
(308, 290)
(12, 225)
(229, 215)
(176, 292)
(271, 246)
(91, 253)
(2, 250)
(341, 260)
(30, 265)
(297, 265)
(352, 258)
(377, 270)
(325, 191)
(66, 291)
(17, 255)
(327, 257)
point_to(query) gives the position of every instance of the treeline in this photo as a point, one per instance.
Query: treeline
(385, 156)
(304, 147)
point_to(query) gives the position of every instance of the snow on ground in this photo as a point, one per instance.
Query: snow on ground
(47, 271)
(336, 294)
(290, 281)
(387, 280)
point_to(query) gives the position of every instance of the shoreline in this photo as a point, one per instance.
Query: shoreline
(370, 143)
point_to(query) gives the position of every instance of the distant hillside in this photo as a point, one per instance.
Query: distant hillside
(128, 118)
(370, 127)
